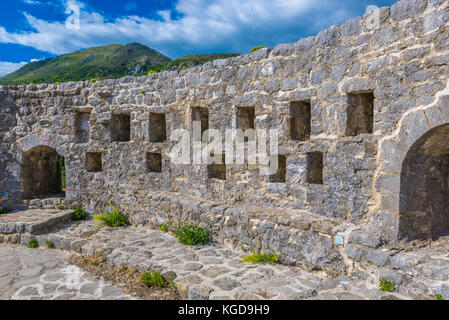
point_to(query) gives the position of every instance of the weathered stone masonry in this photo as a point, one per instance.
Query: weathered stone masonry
(364, 111)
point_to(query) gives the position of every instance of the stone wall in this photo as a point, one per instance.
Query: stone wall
(363, 82)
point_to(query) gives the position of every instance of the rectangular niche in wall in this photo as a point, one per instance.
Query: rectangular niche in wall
(121, 127)
(216, 170)
(300, 126)
(279, 177)
(154, 162)
(315, 167)
(82, 127)
(158, 128)
(93, 162)
(245, 118)
(360, 113)
(201, 115)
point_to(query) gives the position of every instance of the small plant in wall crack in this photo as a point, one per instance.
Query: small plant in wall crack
(79, 214)
(386, 285)
(33, 244)
(49, 244)
(112, 218)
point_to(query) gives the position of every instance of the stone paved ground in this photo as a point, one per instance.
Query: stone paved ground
(207, 272)
(44, 274)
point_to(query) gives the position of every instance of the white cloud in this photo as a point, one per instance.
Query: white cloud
(9, 67)
(205, 25)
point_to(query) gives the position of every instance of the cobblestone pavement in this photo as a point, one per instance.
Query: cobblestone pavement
(35, 274)
(207, 272)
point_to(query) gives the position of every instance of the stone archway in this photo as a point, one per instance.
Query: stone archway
(410, 183)
(41, 173)
(424, 193)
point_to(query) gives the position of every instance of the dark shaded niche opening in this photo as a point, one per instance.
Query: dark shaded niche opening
(82, 127)
(201, 115)
(315, 167)
(280, 175)
(42, 173)
(300, 126)
(360, 113)
(217, 170)
(246, 118)
(158, 128)
(93, 162)
(154, 162)
(424, 191)
(121, 127)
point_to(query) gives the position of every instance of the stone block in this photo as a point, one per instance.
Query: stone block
(405, 9)
(366, 238)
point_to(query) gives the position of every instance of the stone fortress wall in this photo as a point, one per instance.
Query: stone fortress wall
(362, 107)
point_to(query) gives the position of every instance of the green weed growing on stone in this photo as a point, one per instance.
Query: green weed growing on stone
(49, 244)
(151, 71)
(153, 279)
(261, 257)
(5, 210)
(113, 218)
(191, 235)
(95, 79)
(142, 91)
(33, 243)
(438, 297)
(79, 214)
(386, 285)
(257, 48)
(164, 227)
(95, 262)
(60, 207)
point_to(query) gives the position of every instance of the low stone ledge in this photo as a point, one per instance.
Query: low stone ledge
(299, 237)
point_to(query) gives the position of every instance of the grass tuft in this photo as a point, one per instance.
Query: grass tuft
(153, 279)
(79, 214)
(49, 244)
(386, 285)
(113, 218)
(33, 243)
(164, 227)
(5, 210)
(60, 207)
(191, 235)
(261, 257)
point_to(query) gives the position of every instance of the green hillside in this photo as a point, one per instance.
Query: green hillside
(112, 61)
(106, 62)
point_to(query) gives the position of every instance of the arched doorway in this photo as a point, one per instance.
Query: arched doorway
(42, 173)
(424, 191)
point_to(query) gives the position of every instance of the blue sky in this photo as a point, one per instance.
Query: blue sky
(35, 29)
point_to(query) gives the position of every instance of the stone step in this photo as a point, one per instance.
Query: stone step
(33, 221)
(45, 203)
